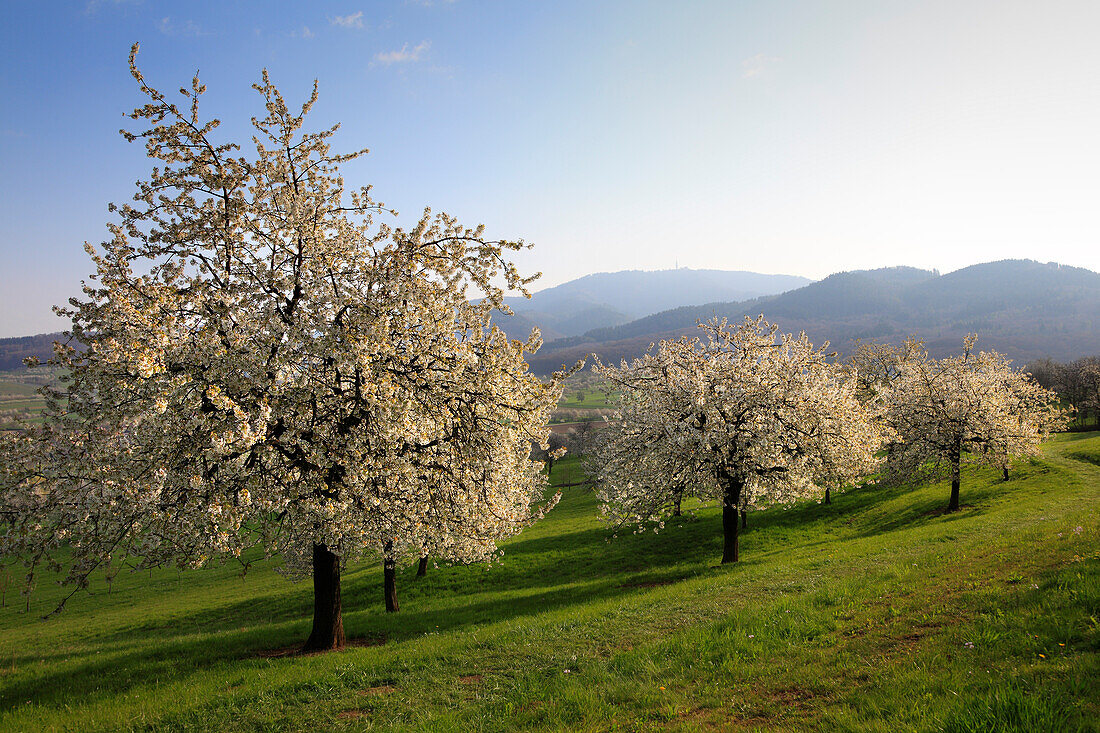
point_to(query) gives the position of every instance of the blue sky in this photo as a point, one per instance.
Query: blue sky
(785, 137)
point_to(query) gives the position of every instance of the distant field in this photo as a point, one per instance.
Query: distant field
(571, 400)
(10, 387)
(18, 400)
(17, 404)
(876, 613)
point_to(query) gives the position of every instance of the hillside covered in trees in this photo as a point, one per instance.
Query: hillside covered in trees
(608, 299)
(14, 350)
(1025, 309)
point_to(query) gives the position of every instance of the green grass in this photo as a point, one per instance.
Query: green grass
(876, 613)
(13, 387)
(22, 404)
(593, 399)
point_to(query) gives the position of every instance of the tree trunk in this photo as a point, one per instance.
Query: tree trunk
(956, 470)
(730, 501)
(744, 518)
(828, 498)
(422, 568)
(389, 575)
(676, 509)
(1004, 473)
(328, 621)
(549, 469)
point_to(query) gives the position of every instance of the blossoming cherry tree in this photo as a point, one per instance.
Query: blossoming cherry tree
(748, 416)
(268, 364)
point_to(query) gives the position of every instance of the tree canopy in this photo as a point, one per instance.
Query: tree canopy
(270, 364)
(746, 416)
(969, 407)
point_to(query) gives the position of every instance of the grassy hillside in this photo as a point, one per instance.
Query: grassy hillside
(875, 613)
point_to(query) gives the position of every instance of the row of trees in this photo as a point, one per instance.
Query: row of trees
(268, 365)
(576, 441)
(1077, 384)
(752, 417)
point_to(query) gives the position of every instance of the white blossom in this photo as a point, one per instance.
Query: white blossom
(269, 364)
(969, 408)
(748, 416)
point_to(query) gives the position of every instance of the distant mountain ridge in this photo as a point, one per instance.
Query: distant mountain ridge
(14, 350)
(608, 299)
(1022, 308)
(594, 301)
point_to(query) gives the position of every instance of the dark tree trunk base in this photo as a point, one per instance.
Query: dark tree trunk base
(422, 568)
(389, 574)
(328, 620)
(956, 478)
(730, 502)
(828, 497)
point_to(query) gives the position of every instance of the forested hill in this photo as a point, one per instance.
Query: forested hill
(14, 350)
(612, 298)
(1022, 308)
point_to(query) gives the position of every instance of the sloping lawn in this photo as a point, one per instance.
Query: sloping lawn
(878, 612)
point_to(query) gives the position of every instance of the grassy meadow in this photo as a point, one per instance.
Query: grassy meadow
(875, 613)
(587, 399)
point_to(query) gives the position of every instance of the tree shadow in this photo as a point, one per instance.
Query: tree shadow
(538, 575)
(1076, 436)
(541, 575)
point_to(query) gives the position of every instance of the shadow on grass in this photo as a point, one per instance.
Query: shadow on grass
(1076, 435)
(539, 575)
(1085, 456)
(174, 657)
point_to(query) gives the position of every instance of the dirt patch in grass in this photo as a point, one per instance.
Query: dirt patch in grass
(470, 679)
(746, 722)
(919, 631)
(377, 690)
(296, 649)
(792, 696)
(353, 714)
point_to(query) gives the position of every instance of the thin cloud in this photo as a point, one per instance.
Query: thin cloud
(757, 65)
(352, 20)
(187, 28)
(94, 5)
(404, 56)
(304, 32)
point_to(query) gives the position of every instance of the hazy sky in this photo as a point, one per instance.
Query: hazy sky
(780, 137)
